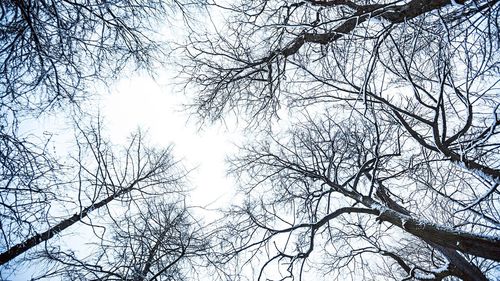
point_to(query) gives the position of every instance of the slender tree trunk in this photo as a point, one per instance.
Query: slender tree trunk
(33, 241)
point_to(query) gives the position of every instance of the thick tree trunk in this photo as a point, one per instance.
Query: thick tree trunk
(459, 266)
(465, 242)
(481, 246)
(477, 245)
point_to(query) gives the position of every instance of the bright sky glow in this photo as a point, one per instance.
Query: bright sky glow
(141, 102)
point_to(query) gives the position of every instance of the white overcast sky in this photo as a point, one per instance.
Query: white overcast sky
(140, 101)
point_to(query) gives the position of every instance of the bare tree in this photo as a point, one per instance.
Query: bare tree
(418, 47)
(53, 55)
(51, 49)
(25, 192)
(153, 240)
(101, 176)
(332, 195)
(410, 137)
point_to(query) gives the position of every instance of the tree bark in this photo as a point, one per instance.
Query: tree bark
(481, 246)
(459, 266)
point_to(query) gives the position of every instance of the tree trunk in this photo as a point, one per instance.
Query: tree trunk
(459, 266)
(24, 246)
